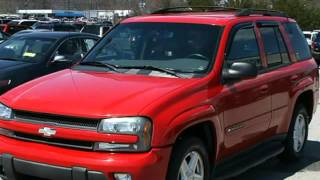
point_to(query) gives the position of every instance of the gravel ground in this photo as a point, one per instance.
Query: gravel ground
(307, 168)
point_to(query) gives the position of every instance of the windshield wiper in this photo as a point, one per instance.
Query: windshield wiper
(101, 64)
(148, 67)
(115, 68)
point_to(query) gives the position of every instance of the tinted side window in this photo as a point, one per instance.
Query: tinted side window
(71, 50)
(88, 44)
(274, 46)
(283, 47)
(298, 42)
(244, 47)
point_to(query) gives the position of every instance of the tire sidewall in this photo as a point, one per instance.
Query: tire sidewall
(181, 150)
(290, 141)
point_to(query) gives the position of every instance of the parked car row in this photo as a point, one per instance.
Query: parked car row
(203, 93)
(313, 39)
(11, 27)
(55, 26)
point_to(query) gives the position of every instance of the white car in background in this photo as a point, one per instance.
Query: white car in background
(308, 36)
(311, 36)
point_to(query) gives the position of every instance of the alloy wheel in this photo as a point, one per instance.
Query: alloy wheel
(192, 167)
(299, 133)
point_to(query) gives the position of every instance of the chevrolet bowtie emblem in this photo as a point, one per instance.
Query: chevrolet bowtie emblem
(47, 132)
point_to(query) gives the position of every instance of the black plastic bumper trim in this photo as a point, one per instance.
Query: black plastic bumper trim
(12, 166)
(79, 173)
(94, 175)
(7, 164)
(41, 170)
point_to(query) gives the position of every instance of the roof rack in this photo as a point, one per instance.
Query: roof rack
(240, 12)
(181, 9)
(263, 12)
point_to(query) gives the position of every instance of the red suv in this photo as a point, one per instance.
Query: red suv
(184, 93)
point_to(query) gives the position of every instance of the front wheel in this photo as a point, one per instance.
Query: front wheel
(297, 135)
(189, 161)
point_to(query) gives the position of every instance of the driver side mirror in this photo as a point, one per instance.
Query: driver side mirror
(239, 71)
(60, 58)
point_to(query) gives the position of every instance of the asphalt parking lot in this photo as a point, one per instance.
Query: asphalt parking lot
(307, 168)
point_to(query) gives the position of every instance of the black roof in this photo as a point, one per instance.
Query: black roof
(54, 35)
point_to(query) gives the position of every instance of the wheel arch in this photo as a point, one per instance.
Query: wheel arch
(204, 131)
(306, 98)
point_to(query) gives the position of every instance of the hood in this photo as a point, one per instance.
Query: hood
(91, 94)
(4, 64)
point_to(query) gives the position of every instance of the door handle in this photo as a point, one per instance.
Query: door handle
(264, 89)
(294, 78)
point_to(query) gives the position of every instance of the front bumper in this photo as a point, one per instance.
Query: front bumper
(50, 162)
(12, 167)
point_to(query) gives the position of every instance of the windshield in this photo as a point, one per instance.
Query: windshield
(30, 49)
(180, 47)
(307, 36)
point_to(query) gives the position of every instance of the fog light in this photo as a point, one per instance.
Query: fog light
(122, 176)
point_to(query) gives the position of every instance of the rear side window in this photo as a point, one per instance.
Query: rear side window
(298, 41)
(274, 46)
(244, 48)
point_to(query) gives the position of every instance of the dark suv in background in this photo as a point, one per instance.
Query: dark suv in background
(315, 48)
(27, 56)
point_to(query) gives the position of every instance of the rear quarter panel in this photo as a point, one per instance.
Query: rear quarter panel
(308, 80)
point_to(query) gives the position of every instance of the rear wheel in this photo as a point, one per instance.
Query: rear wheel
(189, 161)
(297, 135)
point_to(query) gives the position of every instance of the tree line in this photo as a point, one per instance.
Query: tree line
(306, 12)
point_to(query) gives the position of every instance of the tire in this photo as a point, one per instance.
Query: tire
(185, 150)
(297, 135)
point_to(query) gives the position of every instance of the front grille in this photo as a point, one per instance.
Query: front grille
(56, 120)
(54, 141)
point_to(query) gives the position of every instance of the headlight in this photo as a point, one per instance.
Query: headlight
(138, 126)
(5, 112)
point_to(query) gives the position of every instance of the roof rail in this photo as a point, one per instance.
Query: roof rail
(264, 12)
(182, 9)
(240, 12)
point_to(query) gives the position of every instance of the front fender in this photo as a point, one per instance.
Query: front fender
(189, 118)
